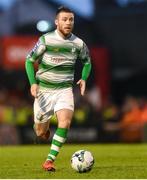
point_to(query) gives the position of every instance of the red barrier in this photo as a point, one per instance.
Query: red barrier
(100, 59)
(15, 50)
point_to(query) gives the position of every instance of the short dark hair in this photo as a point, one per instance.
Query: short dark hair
(63, 9)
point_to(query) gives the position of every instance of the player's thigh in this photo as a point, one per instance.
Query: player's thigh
(43, 108)
(64, 117)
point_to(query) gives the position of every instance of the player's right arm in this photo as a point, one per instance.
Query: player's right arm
(33, 56)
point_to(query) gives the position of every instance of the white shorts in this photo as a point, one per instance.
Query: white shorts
(49, 101)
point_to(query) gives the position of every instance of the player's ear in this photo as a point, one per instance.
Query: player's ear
(56, 22)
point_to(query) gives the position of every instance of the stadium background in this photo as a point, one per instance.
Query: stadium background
(115, 106)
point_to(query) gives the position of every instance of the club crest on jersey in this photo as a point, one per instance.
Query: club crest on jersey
(73, 50)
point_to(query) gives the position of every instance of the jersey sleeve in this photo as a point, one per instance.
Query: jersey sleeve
(86, 61)
(33, 56)
(38, 50)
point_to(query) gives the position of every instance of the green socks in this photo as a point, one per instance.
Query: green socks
(58, 139)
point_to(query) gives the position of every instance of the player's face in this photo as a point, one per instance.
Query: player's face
(65, 23)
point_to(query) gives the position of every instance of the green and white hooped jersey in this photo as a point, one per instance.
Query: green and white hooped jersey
(57, 57)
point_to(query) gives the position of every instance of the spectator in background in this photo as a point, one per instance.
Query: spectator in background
(131, 123)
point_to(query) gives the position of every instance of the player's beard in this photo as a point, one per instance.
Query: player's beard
(65, 33)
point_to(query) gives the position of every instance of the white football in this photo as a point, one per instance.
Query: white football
(82, 161)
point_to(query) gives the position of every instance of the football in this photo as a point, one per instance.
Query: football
(82, 161)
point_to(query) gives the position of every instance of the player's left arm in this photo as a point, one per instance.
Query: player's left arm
(86, 60)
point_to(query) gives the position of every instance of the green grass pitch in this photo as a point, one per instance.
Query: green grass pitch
(119, 161)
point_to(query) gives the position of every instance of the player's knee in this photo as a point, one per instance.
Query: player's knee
(68, 124)
(64, 124)
(40, 133)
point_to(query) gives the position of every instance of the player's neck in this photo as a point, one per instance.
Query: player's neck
(63, 36)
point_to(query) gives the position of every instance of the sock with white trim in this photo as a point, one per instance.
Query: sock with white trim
(58, 139)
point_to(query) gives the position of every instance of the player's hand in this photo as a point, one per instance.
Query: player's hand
(82, 85)
(34, 90)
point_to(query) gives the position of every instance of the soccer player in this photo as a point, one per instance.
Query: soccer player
(56, 53)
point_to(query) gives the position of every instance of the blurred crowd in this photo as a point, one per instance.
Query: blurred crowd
(126, 122)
